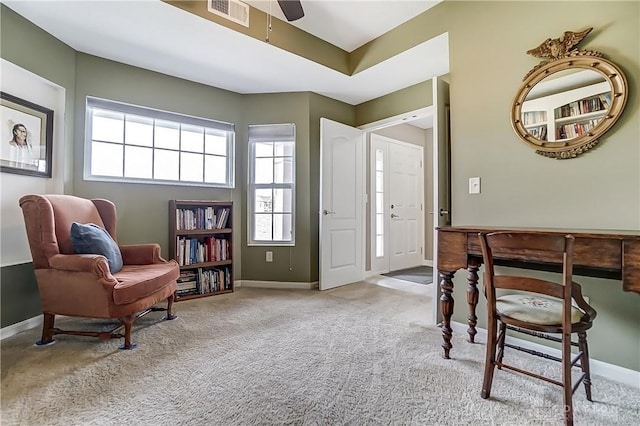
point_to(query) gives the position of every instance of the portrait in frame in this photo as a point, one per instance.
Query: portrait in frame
(26, 137)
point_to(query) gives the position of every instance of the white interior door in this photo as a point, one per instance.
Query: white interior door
(341, 204)
(442, 175)
(405, 206)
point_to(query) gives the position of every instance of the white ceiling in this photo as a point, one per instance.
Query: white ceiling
(151, 34)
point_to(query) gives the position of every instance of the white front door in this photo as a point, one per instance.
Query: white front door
(341, 204)
(397, 217)
(405, 198)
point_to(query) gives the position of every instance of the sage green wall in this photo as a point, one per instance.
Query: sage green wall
(600, 189)
(143, 208)
(290, 264)
(404, 100)
(299, 263)
(31, 48)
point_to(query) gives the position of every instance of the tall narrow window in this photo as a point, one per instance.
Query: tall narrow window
(379, 207)
(131, 143)
(272, 184)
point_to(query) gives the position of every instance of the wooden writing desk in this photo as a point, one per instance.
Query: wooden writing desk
(603, 254)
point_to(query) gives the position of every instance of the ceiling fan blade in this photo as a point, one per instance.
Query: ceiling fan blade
(292, 9)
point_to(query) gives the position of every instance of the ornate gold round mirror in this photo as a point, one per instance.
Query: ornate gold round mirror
(566, 103)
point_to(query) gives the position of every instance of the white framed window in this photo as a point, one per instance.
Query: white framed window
(128, 143)
(271, 196)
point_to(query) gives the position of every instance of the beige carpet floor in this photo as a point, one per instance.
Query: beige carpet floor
(357, 355)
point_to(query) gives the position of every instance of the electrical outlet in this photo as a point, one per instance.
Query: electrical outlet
(269, 256)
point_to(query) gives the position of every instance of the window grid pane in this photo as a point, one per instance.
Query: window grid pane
(157, 149)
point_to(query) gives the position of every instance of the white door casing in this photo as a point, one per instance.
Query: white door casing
(341, 204)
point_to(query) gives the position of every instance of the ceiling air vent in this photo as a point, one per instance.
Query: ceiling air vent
(233, 10)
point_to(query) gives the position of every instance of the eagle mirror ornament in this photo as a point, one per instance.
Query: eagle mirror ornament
(569, 100)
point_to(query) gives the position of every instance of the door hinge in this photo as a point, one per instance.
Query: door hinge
(420, 250)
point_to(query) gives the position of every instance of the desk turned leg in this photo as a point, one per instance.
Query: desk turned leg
(472, 301)
(446, 306)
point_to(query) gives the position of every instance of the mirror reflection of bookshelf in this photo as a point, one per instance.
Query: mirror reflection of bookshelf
(536, 123)
(579, 117)
(560, 117)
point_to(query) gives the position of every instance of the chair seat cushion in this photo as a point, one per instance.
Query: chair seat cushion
(92, 239)
(138, 281)
(535, 309)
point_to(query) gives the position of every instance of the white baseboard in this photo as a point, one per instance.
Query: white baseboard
(13, 329)
(427, 263)
(277, 284)
(600, 368)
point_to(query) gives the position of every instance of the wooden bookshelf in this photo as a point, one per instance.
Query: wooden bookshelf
(200, 240)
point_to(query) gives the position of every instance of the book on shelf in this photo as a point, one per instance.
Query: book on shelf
(191, 251)
(223, 218)
(605, 98)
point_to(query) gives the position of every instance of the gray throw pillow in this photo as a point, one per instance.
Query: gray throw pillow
(91, 239)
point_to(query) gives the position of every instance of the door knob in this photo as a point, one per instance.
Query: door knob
(444, 212)
(326, 212)
(394, 215)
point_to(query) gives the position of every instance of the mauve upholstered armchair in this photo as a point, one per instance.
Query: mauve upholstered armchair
(81, 285)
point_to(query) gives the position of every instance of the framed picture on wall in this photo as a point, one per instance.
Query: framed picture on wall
(26, 137)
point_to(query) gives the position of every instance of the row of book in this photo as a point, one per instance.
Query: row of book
(533, 117)
(203, 281)
(190, 251)
(539, 132)
(202, 218)
(573, 130)
(584, 106)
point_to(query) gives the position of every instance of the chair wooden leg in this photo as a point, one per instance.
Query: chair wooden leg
(584, 362)
(567, 386)
(128, 325)
(502, 335)
(490, 358)
(170, 315)
(47, 329)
